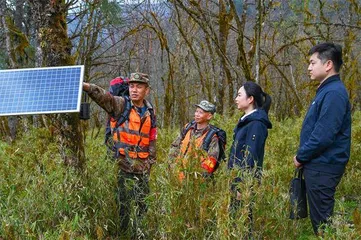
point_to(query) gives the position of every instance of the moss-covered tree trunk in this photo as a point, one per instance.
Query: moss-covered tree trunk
(225, 18)
(50, 20)
(12, 120)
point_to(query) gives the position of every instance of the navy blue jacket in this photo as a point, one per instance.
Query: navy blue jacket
(326, 130)
(249, 140)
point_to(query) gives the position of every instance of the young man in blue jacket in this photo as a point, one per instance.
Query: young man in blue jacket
(325, 139)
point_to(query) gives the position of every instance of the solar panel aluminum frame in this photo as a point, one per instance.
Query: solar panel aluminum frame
(76, 89)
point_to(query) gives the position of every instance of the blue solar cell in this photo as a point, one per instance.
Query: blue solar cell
(40, 90)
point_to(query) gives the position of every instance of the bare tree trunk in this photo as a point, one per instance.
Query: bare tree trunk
(242, 59)
(258, 29)
(168, 82)
(224, 18)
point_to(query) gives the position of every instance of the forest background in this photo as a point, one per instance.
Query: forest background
(54, 179)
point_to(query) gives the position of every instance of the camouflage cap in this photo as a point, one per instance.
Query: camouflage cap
(207, 106)
(139, 78)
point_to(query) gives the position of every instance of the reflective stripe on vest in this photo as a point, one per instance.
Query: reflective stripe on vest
(132, 137)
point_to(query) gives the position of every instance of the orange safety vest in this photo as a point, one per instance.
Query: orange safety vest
(132, 137)
(208, 163)
(186, 146)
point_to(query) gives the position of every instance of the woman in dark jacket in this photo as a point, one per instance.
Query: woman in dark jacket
(251, 131)
(249, 139)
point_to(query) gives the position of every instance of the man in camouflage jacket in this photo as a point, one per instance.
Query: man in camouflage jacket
(197, 130)
(134, 159)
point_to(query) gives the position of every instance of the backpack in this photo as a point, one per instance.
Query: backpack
(120, 87)
(222, 140)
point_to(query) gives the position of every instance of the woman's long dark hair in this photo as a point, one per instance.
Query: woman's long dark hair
(261, 99)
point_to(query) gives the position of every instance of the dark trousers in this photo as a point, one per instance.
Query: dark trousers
(320, 188)
(132, 191)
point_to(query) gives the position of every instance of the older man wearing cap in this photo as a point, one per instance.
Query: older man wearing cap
(194, 135)
(135, 141)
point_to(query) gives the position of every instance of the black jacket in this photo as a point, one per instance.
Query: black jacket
(249, 140)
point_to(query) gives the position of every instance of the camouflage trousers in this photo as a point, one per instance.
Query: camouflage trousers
(132, 191)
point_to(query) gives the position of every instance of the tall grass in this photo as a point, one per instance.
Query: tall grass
(40, 198)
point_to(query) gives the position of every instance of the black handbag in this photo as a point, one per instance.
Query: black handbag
(298, 196)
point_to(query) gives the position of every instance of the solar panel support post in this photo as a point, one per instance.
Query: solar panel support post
(84, 108)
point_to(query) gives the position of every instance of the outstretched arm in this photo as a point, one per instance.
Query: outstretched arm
(111, 104)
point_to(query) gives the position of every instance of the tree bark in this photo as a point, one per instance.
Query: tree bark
(258, 28)
(50, 18)
(12, 120)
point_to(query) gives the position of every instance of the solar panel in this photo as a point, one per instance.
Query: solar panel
(40, 90)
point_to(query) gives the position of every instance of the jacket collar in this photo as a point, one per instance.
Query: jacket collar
(245, 115)
(203, 130)
(333, 78)
(146, 103)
